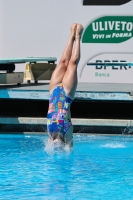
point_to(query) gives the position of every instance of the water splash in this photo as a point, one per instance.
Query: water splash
(49, 147)
(114, 145)
(128, 130)
(56, 147)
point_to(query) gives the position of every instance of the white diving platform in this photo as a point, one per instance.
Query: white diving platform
(27, 60)
(85, 91)
(36, 69)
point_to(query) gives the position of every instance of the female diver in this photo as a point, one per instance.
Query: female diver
(63, 85)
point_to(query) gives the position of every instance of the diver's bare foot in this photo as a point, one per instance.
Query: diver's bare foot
(73, 30)
(79, 31)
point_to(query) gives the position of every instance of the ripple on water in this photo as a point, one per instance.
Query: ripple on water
(98, 167)
(114, 145)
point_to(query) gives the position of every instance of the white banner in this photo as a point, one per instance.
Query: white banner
(108, 74)
(41, 29)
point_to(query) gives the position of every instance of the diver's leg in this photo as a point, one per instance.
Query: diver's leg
(70, 77)
(60, 70)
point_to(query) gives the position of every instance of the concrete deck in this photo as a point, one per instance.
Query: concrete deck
(79, 122)
(85, 91)
(17, 125)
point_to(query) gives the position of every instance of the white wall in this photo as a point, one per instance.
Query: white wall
(1, 28)
(41, 28)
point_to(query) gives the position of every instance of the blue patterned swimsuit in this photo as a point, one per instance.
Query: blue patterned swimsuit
(57, 117)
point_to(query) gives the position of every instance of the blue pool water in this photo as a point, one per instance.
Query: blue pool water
(98, 167)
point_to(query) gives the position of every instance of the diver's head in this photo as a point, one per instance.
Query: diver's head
(57, 137)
